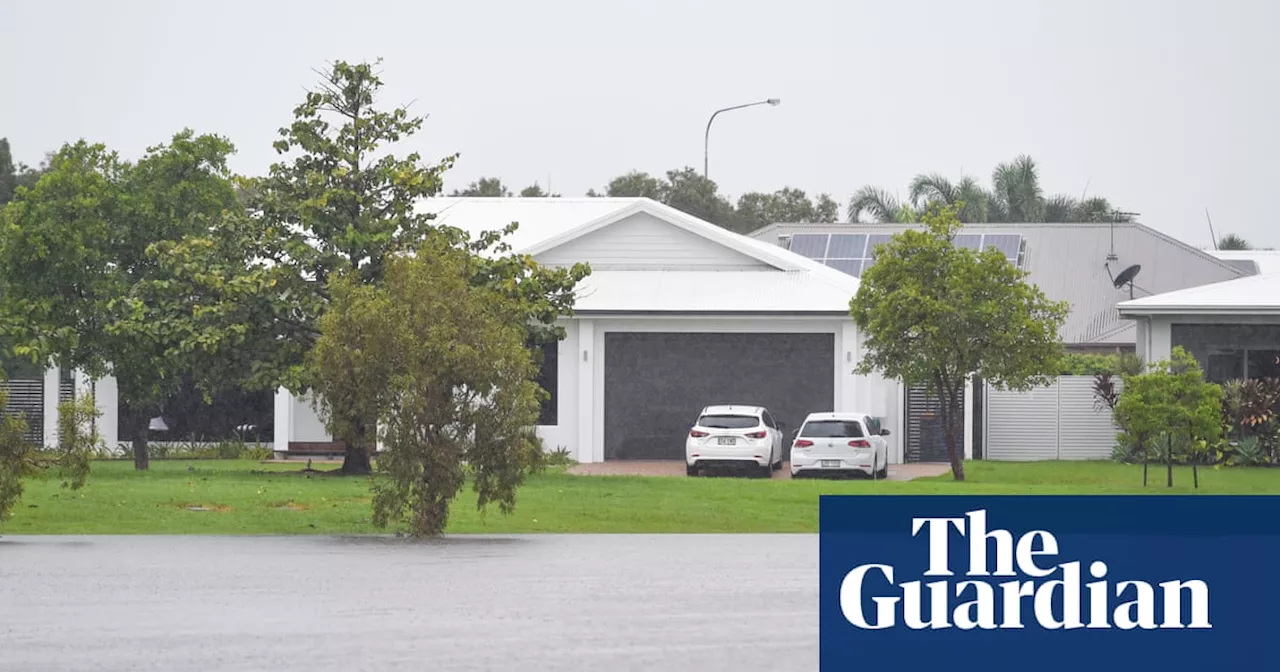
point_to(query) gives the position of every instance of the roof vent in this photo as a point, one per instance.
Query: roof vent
(784, 240)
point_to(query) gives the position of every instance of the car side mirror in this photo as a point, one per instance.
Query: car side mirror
(884, 432)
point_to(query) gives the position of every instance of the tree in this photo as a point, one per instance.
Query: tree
(20, 459)
(932, 314)
(488, 187)
(74, 262)
(535, 191)
(1232, 241)
(442, 363)
(13, 176)
(634, 184)
(342, 207)
(1015, 197)
(756, 209)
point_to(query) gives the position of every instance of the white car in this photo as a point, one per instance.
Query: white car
(840, 443)
(741, 436)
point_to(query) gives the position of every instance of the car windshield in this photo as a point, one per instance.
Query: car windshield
(831, 429)
(728, 421)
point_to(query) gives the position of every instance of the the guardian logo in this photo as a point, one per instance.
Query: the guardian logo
(1039, 590)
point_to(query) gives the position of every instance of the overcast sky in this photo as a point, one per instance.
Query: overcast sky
(1165, 107)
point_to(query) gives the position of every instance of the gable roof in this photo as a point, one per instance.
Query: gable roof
(1254, 295)
(801, 285)
(1068, 262)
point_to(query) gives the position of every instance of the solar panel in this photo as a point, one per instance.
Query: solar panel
(1007, 243)
(876, 239)
(812, 245)
(973, 241)
(846, 245)
(851, 266)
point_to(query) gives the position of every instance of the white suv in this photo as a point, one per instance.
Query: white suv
(840, 443)
(734, 436)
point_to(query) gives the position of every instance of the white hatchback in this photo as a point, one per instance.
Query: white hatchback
(840, 443)
(741, 436)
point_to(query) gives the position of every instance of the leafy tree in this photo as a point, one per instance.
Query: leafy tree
(442, 363)
(490, 187)
(756, 209)
(20, 459)
(967, 194)
(1172, 401)
(536, 191)
(13, 176)
(934, 314)
(74, 261)
(1232, 241)
(342, 207)
(880, 205)
(1142, 412)
(634, 184)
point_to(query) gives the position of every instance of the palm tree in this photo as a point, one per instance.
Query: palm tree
(934, 188)
(1233, 241)
(880, 205)
(1016, 197)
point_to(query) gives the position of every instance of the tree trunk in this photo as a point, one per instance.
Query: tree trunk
(1195, 473)
(949, 416)
(1168, 457)
(141, 454)
(1143, 447)
(355, 461)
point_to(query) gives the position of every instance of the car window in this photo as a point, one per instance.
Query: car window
(873, 426)
(728, 421)
(832, 429)
(768, 420)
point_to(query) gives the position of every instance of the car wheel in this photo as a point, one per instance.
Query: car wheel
(690, 470)
(884, 470)
(766, 471)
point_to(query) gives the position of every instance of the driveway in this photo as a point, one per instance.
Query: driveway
(897, 472)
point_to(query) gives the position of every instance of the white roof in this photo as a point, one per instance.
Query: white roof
(732, 409)
(789, 283)
(1252, 295)
(1267, 261)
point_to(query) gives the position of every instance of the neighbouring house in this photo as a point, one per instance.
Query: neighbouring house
(1077, 263)
(1232, 328)
(1260, 262)
(678, 313)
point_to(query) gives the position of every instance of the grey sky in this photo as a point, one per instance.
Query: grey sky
(1164, 107)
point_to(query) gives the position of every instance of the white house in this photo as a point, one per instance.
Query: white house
(678, 313)
(1232, 328)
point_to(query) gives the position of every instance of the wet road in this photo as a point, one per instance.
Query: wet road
(545, 602)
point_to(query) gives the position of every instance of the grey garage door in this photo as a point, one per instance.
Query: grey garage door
(655, 383)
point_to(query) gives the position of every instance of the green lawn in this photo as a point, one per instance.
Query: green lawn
(253, 498)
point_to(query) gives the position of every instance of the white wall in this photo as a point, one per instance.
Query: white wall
(643, 241)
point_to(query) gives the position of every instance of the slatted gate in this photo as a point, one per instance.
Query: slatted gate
(926, 441)
(26, 399)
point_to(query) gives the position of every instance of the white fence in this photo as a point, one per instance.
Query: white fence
(1058, 422)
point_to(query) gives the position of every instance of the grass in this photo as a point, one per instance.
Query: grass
(240, 497)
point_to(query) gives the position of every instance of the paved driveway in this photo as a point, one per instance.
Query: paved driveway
(897, 472)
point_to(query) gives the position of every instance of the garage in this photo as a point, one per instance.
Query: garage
(656, 382)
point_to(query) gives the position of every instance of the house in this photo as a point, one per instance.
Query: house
(677, 314)
(1077, 263)
(1232, 328)
(1259, 262)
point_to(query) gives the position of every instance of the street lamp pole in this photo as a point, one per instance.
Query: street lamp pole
(706, 138)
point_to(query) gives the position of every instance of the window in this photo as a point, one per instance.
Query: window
(768, 420)
(832, 429)
(1263, 364)
(873, 426)
(1224, 365)
(728, 421)
(549, 379)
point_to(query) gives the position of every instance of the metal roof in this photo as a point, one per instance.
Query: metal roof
(1263, 261)
(790, 283)
(1068, 262)
(1254, 295)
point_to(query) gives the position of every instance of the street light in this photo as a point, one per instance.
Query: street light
(706, 139)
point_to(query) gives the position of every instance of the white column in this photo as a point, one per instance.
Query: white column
(848, 394)
(1161, 339)
(107, 398)
(586, 392)
(52, 376)
(968, 418)
(283, 420)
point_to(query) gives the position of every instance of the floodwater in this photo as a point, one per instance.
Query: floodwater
(282, 604)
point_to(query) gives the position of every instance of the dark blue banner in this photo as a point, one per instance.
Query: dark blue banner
(1095, 583)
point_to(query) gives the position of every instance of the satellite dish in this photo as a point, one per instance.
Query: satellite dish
(1126, 277)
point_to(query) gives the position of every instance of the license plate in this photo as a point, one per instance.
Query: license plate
(726, 441)
(831, 464)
